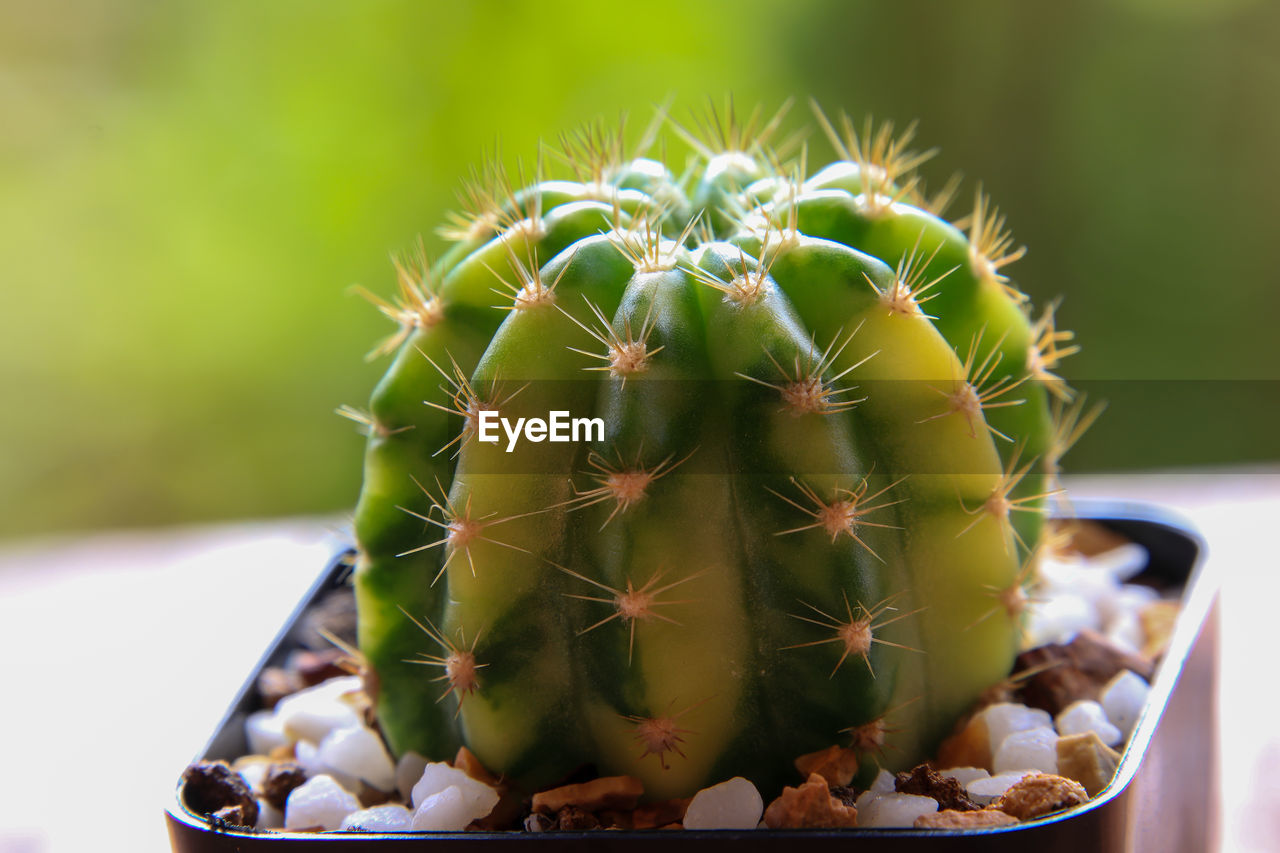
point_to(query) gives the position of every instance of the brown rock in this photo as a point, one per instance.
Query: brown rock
(281, 778)
(208, 787)
(924, 782)
(836, 764)
(283, 752)
(660, 813)
(574, 818)
(233, 815)
(467, 762)
(1078, 670)
(314, 667)
(810, 806)
(275, 683)
(845, 794)
(951, 819)
(1040, 794)
(968, 747)
(1158, 619)
(607, 792)
(505, 815)
(1089, 761)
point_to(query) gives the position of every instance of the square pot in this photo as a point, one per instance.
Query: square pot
(1160, 799)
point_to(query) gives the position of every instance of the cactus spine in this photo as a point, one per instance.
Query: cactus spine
(826, 445)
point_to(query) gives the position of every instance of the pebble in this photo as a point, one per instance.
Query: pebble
(320, 801)
(1078, 595)
(986, 789)
(1077, 578)
(1030, 749)
(471, 796)
(358, 752)
(312, 713)
(1087, 716)
(1128, 599)
(264, 732)
(1006, 718)
(280, 780)
(735, 804)
(1125, 630)
(1059, 618)
(965, 775)
(450, 810)
(1122, 562)
(209, 787)
(388, 818)
(308, 757)
(269, 817)
(409, 770)
(253, 772)
(885, 782)
(1123, 698)
(1089, 761)
(895, 809)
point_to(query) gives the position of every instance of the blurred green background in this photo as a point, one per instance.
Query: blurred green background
(187, 189)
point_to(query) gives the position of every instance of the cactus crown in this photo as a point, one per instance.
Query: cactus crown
(817, 440)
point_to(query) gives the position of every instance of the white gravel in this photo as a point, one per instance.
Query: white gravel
(450, 810)
(1030, 749)
(437, 776)
(307, 754)
(895, 809)
(735, 804)
(359, 753)
(409, 770)
(269, 817)
(265, 732)
(1087, 716)
(388, 818)
(965, 775)
(312, 713)
(1005, 718)
(320, 801)
(884, 783)
(1123, 698)
(984, 791)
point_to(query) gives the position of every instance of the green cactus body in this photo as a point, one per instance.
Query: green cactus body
(794, 527)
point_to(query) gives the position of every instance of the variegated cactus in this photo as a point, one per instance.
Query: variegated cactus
(808, 441)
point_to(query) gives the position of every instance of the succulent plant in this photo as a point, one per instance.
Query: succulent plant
(810, 434)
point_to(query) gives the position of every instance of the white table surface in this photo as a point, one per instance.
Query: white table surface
(122, 651)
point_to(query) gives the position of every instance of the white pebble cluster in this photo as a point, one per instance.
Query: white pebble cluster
(341, 755)
(447, 799)
(1076, 593)
(1023, 741)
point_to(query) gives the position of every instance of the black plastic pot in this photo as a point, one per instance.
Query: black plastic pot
(1161, 799)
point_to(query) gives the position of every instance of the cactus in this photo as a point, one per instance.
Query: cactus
(806, 513)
